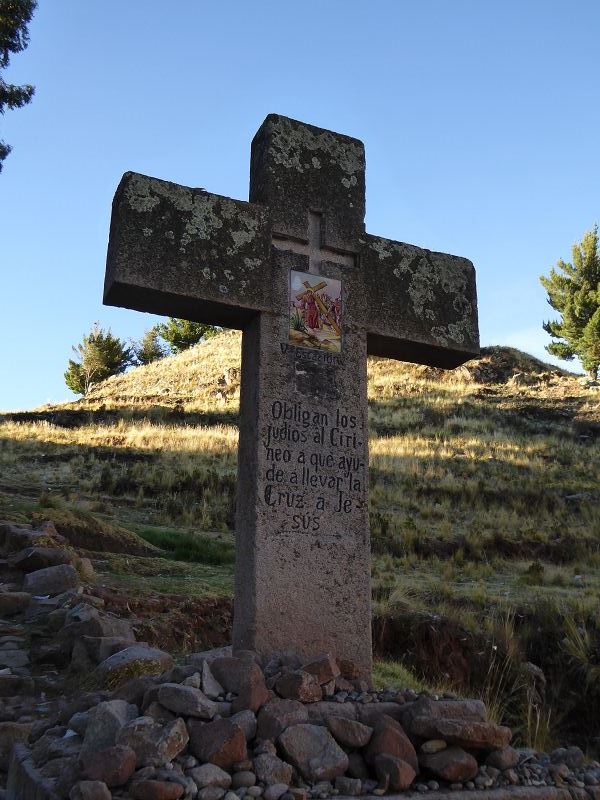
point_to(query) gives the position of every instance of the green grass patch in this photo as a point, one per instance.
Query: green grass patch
(196, 548)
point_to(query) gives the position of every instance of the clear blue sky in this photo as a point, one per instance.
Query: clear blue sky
(480, 118)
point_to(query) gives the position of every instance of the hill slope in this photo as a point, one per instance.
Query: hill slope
(484, 506)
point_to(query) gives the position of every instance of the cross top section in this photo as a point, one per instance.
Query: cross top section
(189, 253)
(297, 168)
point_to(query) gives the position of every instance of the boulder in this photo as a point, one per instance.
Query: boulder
(349, 733)
(393, 772)
(186, 700)
(252, 692)
(210, 685)
(197, 659)
(220, 742)
(232, 672)
(319, 713)
(299, 685)
(133, 662)
(105, 722)
(275, 791)
(465, 733)
(314, 752)
(33, 558)
(247, 722)
(441, 709)
(210, 775)
(270, 769)
(114, 765)
(156, 790)
(452, 764)
(277, 715)
(86, 621)
(349, 787)
(13, 602)
(388, 738)
(507, 758)
(90, 790)
(154, 744)
(324, 669)
(51, 580)
(357, 766)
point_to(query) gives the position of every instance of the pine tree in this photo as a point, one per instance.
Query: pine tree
(98, 356)
(149, 349)
(574, 291)
(15, 16)
(180, 334)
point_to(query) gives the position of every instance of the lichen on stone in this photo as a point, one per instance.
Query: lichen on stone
(290, 142)
(433, 278)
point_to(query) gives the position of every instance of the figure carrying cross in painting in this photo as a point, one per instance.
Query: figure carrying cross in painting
(315, 312)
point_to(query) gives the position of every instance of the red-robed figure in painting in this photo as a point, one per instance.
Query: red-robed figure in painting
(310, 310)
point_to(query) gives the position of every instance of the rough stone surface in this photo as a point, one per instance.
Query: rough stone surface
(314, 752)
(34, 558)
(154, 743)
(299, 685)
(506, 758)
(453, 765)
(186, 700)
(388, 738)
(349, 733)
(104, 724)
(246, 720)
(210, 775)
(156, 790)
(220, 742)
(113, 766)
(210, 685)
(51, 580)
(90, 790)
(464, 733)
(305, 525)
(393, 772)
(324, 669)
(132, 662)
(277, 715)
(270, 769)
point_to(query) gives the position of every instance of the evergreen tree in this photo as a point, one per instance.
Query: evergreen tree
(149, 349)
(182, 333)
(574, 291)
(98, 356)
(15, 16)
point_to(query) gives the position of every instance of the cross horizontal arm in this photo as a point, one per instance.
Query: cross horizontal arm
(419, 305)
(187, 253)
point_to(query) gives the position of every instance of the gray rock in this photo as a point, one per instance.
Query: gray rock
(211, 793)
(210, 685)
(90, 790)
(352, 787)
(106, 720)
(246, 720)
(349, 733)
(271, 770)
(275, 791)
(210, 775)
(34, 558)
(277, 715)
(219, 742)
(153, 743)
(51, 580)
(314, 752)
(186, 700)
(243, 779)
(134, 661)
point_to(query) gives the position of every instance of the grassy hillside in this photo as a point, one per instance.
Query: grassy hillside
(484, 507)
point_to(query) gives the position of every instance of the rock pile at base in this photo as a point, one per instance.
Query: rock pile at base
(218, 726)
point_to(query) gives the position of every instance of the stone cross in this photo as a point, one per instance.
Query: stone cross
(313, 293)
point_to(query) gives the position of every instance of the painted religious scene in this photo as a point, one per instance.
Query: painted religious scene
(315, 311)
